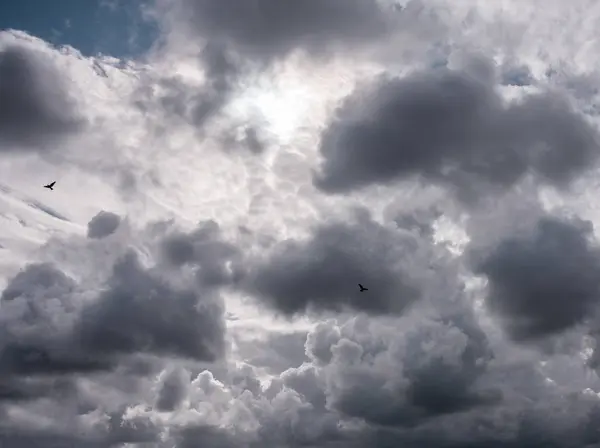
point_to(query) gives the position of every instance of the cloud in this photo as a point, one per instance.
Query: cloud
(171, 334)
(427, 376)
(322, 272)
(173, 390)
(35, 106)
(219, 261)
(103, 224)
(545, 282)
(435, 385)
(270, 29)
(415, 391)
(239, 45)
(438, 385)
(451, 127)
(133, 316)
(60, 329)
(420, 220)
(49, 328)
(38, 280)
(181, 100)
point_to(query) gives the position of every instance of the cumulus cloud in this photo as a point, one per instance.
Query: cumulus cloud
(322, 273)
(103, 224)
(544, 282)
(219, 261)
(50, 328)
(65, 340)
(132, 317)
(452, 127)
(38, 280)
(134, 362)
(35, 106)
(172, 390)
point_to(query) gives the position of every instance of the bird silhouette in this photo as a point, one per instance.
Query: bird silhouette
(362, 288)
(50, 186)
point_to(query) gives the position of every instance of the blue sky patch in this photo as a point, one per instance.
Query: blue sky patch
(110, 27)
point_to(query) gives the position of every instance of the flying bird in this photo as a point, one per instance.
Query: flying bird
(50, 186)
(362, 288)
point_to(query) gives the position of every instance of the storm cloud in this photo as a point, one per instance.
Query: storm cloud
(419, 374)
(268, 29)
(103, 224)
(35, 106)
(451, 127)
(139, 312)
(321, 273)
(546, 281)
(49, 328)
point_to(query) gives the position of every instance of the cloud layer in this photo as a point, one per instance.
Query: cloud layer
(217, 304)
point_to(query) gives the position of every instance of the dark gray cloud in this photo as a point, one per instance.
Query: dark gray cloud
(322, 273)
(31, 388)
(39, 439)
(543, 282)
(218, 262)
(221, 74)
(436, 371)
(38, 281)
(111, 429)
(117, 361)
(172, 390)
(91, 350)
(35, 107)
(36, 346)
(242, 37)
(420, 221)
(138, 313)
(194, 104)
(39, 357)
(141, 312)
(47, 327)
(253, 141)
(451, 127)
(266, 29)
(208, 436)
(412, 381)
(103, 224)
(438, 385)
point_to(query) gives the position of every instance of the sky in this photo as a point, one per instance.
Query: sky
(227, 172)
(112, 27)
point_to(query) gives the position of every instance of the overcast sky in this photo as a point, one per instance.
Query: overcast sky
(228, 171)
